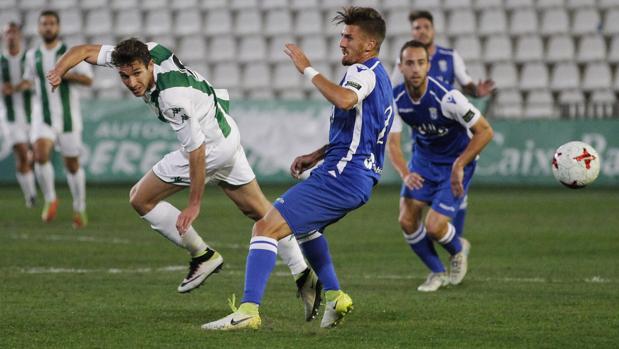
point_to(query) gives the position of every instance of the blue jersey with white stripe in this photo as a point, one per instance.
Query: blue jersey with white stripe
(357, 136)
(442, 66)
(440, 121)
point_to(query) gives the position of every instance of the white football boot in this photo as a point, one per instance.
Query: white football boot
(309, 289)
(336, 310)
(234, 321)
(458, 263)
(244, 317)
(433, 282)
(200, 268)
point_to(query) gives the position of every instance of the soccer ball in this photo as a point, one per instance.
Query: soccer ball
(576, 164)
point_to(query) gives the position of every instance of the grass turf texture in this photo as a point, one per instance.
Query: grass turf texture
(543, 273)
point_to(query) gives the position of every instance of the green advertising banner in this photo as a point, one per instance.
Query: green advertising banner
(123, 139)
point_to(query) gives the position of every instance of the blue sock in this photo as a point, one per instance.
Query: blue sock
(450, 241)
(316, 250)
(423, 247)
(458, 221)
(260, 263)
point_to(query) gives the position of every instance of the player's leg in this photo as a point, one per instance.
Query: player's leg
(438, 223)
(146, 197)
(316, 249)
(259, 264)
(24, 173)
(76, 179)
(307, 209)
(290, 212)
(458, 220)
(44, 173)
(70, 144)
(252, 202)
(417, 238)
(440, 228)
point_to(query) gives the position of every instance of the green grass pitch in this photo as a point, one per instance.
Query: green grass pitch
(544, 273)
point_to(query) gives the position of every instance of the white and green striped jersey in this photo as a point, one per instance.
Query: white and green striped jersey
(184, 99)
(61, 108)
(17, 106)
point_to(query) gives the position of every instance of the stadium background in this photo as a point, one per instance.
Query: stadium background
(544, 272)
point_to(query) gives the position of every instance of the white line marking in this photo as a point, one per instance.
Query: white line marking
(235, 271)
(79, 238)
(107, 240)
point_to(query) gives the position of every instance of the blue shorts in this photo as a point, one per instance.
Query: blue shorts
(322, 200)
(436, 190)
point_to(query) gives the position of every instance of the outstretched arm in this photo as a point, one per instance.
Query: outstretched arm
(307, 161)
(339, 96)
(75, 55)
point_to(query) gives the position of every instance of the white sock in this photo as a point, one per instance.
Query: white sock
(26, 182)
(77, 186)
(45, 178)
(451, 233)
(289, 251)
(163, 218)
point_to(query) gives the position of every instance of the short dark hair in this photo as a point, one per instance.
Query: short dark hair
(52, 13)
(13, 24)
(414, 44)
(415, 15)
(130, 50)
(368, 19)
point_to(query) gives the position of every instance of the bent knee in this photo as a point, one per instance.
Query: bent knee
(435, 229)
(408, 226)
(263, 228)
(138, 203)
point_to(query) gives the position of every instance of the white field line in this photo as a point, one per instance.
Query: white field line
(93, 239)
(232, 271)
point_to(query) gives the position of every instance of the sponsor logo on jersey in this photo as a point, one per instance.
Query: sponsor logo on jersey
(433, 113)
(442, 65)
(406, 110)
(353, 84)
(468, 116)
(432, 130)
(176, 111)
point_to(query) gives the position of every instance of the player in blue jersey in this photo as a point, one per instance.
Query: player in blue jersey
(442, 165)
(447, 67)
(353, 162)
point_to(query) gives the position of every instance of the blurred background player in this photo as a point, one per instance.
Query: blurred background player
(442, 164)
(15, 109)
(210, 150)
(353, 162)
(447, 67)
(56, 119)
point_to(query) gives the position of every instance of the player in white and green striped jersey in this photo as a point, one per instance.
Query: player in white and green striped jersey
(15, 108)
(56, 119)
(210, 150)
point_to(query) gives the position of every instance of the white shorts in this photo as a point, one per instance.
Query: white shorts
(16, 133)
(226, 163)
(69, 144)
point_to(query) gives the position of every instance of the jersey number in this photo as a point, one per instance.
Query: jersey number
(381, 135)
